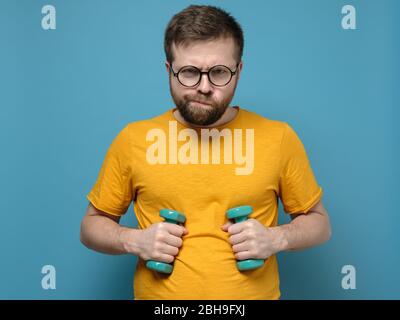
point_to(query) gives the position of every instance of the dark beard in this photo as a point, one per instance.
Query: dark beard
(202, 117)
(197, 115)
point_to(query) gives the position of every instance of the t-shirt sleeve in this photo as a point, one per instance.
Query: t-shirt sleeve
(298, 188)
(112, 192)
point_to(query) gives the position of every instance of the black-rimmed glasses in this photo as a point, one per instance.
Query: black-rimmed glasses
(190, 76)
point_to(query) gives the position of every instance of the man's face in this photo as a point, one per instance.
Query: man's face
(205, 103)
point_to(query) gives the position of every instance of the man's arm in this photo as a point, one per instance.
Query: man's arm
(101, 232)
(306, 230)
(251, 240)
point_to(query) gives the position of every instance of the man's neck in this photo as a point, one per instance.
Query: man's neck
(228, 116)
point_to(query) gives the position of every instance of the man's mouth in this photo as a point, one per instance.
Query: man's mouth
(200, 102)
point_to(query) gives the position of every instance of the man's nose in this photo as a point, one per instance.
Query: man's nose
(204, 86)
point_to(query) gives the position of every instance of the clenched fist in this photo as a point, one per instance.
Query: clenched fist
(160, 242)
(252, 240)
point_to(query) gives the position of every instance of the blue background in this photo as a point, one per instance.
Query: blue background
(66, 93)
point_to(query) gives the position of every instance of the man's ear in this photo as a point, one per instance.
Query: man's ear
(167, 66)
(240, 66)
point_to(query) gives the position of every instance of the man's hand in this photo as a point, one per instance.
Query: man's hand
(251, 240)
(160, 242)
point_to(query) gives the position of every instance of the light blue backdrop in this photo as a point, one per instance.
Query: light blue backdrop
(66, 93)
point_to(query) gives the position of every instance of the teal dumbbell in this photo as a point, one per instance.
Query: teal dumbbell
(240, 214)
(170, 216)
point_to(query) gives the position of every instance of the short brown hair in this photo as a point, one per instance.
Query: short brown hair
(196, 23)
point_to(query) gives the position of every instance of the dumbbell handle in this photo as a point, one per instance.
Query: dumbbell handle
(240, 214)
(170, 216)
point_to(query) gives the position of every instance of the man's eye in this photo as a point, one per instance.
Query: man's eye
(219, 71)
(189, 72)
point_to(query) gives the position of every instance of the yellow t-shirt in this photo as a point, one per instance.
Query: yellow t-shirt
(160, 163)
